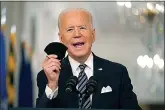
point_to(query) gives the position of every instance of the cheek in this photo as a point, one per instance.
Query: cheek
(66, 40)
(90, 40)
(89, 37)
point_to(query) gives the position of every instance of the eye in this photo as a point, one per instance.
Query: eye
(69, 30)
(82, 27)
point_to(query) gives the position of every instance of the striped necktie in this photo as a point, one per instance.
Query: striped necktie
(84, 101)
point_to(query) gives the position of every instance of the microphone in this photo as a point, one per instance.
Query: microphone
(56, 48)
(91, 85)
(71, 84)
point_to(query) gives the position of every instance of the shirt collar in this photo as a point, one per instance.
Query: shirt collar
(74, 64)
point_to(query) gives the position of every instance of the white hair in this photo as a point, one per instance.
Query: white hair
(75, 9)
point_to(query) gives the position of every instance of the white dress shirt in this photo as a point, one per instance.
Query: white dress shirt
(75, 70)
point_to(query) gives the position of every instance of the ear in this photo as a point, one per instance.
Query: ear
(93, 35)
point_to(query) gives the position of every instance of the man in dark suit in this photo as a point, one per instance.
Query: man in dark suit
(114, 89)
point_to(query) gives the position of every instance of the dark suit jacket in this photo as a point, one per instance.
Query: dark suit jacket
(112, 74)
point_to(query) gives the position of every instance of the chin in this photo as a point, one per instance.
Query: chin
(79, 54)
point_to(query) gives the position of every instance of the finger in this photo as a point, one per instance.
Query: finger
(53, 64)
(54, 69)
(52, 56)
(45, 60)
(54, 60)
(49, 57)
(47, 63)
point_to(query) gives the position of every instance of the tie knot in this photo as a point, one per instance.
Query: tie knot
(82, 67)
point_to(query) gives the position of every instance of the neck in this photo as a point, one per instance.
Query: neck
(81, 59)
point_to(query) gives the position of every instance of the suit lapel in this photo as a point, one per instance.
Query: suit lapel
(67, 68)
(98, 71)
(66, 73)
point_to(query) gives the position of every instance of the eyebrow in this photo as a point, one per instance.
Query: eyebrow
(76, 26)
(70, 27)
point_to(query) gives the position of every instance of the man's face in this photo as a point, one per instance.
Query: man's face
(76, 33)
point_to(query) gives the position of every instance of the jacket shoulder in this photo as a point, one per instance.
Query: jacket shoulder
(111, 64)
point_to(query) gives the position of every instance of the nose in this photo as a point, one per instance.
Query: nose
(77, 33)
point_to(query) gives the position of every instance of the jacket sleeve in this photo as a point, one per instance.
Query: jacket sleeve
(42, 101)
(128, 99)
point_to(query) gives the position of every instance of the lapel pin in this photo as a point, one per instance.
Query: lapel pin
(100, 69)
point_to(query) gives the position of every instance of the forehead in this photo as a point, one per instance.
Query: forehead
(74, 16)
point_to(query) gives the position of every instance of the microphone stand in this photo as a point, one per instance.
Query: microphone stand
(80, 100)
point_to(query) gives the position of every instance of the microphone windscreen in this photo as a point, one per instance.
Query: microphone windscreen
(73, 80)
(91, 85)
(71, 83)
(92, 79)
(56, 48)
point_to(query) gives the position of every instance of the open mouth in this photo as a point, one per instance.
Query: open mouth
(78, 44)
